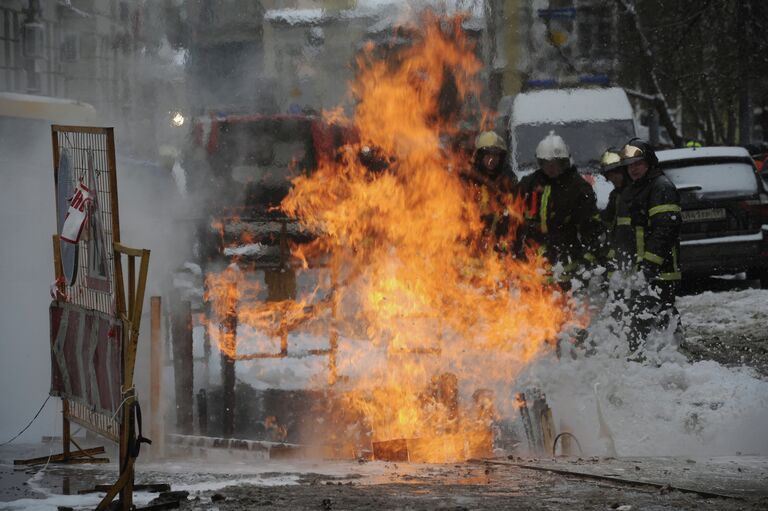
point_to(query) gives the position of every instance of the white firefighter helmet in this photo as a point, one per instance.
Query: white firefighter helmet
(552, 147)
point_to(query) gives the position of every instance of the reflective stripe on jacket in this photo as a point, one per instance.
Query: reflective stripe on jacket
(652, 205)
(562, 216)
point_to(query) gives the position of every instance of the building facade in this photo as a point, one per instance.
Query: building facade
(108, 53)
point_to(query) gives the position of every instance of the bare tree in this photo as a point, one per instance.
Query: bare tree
(649, 62)
(704, 56)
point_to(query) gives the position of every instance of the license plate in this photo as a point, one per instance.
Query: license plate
(702, 215)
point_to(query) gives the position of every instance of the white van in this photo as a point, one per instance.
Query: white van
(590, 120)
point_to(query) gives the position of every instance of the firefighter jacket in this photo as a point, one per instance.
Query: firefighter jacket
(651, 206)
(618, 234)
(561, 217)
(493, 197)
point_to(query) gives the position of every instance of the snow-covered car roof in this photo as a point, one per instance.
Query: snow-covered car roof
(568, 105)
(693, 153)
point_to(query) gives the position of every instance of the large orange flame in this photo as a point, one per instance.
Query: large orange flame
(408, 253)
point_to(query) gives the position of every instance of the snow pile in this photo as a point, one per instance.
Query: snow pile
(250, 249)
(54, 502)
(665, 406)
(725, 314)
(701, 409)
(294, 16)
(184, 476)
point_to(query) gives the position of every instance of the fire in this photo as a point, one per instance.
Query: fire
(444, 318)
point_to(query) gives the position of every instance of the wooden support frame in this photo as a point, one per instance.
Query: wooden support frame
(93, 158)
(81, 456)
(129, 309)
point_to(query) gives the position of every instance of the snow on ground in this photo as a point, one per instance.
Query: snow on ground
(376, 485)
(55, 502)
(730, 327)
(667, 405)
(725, 314)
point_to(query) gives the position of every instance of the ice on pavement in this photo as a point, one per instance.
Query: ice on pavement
(53, 502)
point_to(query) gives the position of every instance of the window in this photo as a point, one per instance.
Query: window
(732, 178)
(586, 139)
(124, 13)
(34, 40)
(70, 48)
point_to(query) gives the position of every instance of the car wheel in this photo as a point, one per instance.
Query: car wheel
(761, 275)
(693, 283)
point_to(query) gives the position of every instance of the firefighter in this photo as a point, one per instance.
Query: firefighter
(616, 227)
(490, 161)
(560, 209)
(652, 204)
(493, 186)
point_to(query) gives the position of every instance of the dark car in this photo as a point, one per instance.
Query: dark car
(724, 209)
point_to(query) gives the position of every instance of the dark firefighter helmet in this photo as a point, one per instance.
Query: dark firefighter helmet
(610, 161)
(636, 150)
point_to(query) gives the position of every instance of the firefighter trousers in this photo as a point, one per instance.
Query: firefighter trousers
(652, 309)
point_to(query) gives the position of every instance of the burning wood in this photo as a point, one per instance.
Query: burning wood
(440, 449)
(537, 421)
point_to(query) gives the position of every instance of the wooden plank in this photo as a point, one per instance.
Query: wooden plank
(183, 365)
(119, 282)
(391, 450)
(82, 421)
(60, 457)
(547, 429)
(133, 252)
(56, 150)
(525, 416)
(58, 270)
(131, 284)
(152, 488)
(124, 485)
(93, 130)
(118, 487)
(135, 318)
(141, 289)
(155, 373)
(65, 432)
(111, 161)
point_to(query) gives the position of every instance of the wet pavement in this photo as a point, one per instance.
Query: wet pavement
(231, 481)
